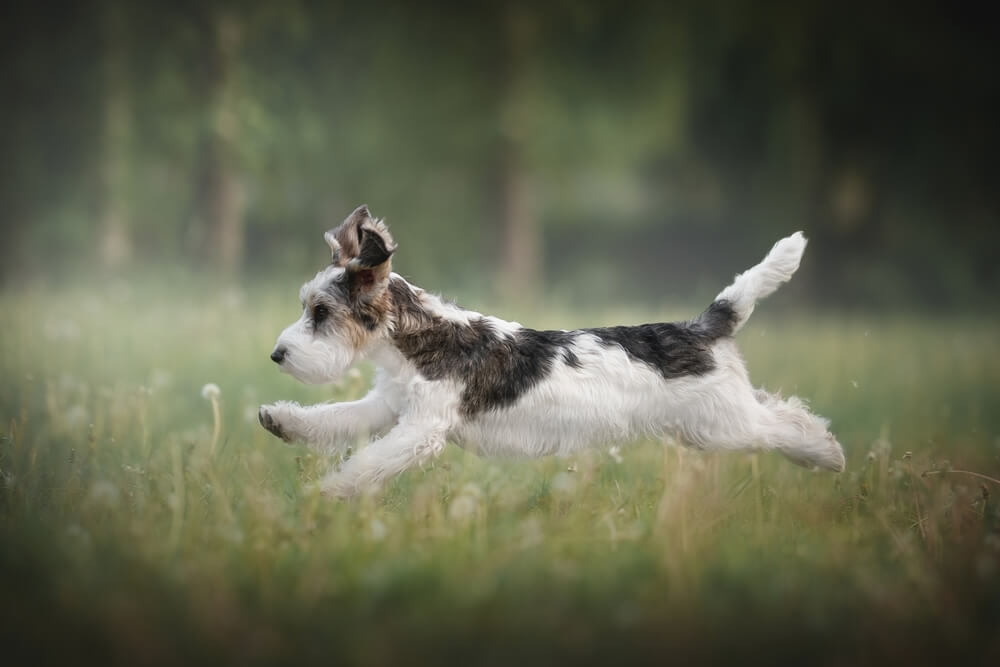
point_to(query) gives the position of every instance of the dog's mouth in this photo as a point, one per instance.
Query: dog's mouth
(310, 376)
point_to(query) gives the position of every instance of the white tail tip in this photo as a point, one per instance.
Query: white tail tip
(762, 280)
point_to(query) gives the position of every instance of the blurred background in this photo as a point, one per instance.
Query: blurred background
(167, 171)
(635, 151)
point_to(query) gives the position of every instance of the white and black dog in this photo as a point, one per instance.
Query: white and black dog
(446, 373)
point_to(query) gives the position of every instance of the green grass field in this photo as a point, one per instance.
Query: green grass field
(133, 524)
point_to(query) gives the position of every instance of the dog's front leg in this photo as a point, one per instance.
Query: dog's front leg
(406, 445)
(327, 427)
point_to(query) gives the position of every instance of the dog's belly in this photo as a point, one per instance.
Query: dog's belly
(520, 433)
(573, 409)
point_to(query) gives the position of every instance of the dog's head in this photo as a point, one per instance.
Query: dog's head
(345, 307)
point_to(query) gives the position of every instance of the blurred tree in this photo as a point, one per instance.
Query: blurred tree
(115, 230)
(520, 235)
(223, 198)
(511, 140)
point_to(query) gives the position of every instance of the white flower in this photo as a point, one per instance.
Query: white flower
(466, 503)
(377, 530)
(76, 417)
(61, 330)
(160, 378)
(532, 532)
(210, 391)
(563, 484)
(232, 298)
(103, 493)
(250, 414)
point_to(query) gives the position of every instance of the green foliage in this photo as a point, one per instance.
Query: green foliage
(659, 131)
(128, 528)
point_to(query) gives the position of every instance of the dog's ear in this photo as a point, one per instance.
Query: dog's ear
(375, 246)
(346, 240)
(331, 240)
(363, 246)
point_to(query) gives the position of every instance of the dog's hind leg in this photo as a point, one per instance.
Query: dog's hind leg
(728, 414)
(789, 427)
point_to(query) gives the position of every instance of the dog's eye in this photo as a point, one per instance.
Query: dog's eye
(320, 313)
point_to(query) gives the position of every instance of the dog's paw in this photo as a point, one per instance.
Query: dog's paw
(337, 487)
(267, 420)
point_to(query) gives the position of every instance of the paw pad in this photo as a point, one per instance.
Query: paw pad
(267, 421)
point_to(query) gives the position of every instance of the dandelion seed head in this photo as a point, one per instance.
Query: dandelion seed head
(76, 532)
(76, 417)
(563, 483)
(250, 414)
(232, 298)
(377, 530)
(160, 378)
(466, 504)
(104, 494)
(532, 532)
(210, 391)
(61, 330)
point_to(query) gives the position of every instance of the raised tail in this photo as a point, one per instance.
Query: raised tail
(760, 281)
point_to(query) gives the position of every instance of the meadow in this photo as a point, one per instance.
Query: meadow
(145, 518)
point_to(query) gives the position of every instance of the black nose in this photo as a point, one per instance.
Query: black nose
(279, 354)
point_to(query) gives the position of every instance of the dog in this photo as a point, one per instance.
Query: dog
(445, 373)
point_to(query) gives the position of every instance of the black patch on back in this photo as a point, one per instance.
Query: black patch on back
(718, 320)
(570, 358)
(498, 369)
(407, 306)
(674, 349)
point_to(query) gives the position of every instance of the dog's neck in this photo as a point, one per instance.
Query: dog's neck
(413, 311)
(423, 326)
(416, 310)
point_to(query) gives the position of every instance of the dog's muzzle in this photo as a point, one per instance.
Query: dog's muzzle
(279, 354)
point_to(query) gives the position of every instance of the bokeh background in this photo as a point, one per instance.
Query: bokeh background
(167, 170)
(596, 151)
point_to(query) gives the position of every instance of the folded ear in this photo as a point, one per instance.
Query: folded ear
(376, 246)
(344, 240)
(364, 247)
(331, 240)
(368, 273)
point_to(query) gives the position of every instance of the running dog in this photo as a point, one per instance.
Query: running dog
(447, 373)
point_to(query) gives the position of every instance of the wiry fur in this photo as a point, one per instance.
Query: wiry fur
(446, 373)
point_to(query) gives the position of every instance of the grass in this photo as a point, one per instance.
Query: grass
(130, 528)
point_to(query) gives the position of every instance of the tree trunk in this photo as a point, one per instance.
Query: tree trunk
(224, 196)
(115, 242)
(520, 236)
